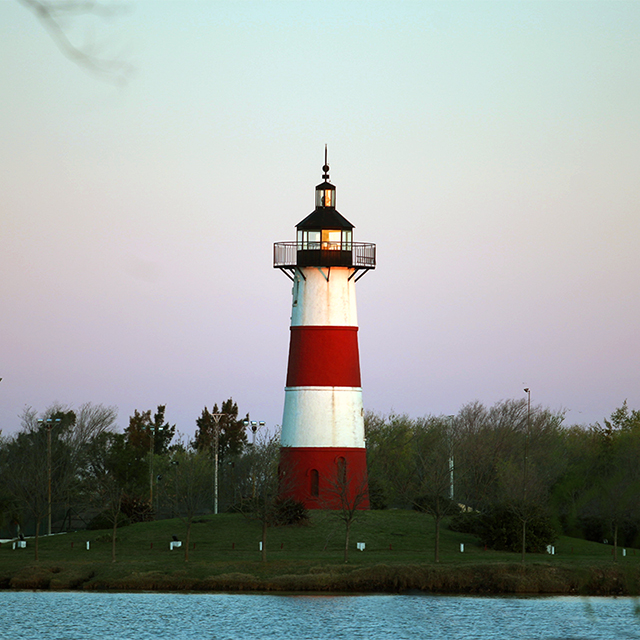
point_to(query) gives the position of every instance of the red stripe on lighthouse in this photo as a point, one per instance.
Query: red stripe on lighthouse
(312, 475)
(323, 356)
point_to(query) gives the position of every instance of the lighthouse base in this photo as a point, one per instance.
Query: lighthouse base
(325, 477)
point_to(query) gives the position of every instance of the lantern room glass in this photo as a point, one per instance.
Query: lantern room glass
(326, 196)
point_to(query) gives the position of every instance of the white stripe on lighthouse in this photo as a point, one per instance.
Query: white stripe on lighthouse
(323, 417)
(324, 297)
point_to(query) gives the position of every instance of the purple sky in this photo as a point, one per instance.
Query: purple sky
(490, 150)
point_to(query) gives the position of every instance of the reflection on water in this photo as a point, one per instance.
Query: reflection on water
(138, 616)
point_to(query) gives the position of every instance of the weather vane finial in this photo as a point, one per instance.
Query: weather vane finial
(325, 175)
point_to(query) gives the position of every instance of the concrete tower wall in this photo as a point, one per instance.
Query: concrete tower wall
(323, 422)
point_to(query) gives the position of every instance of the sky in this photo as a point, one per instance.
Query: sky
(491, 150)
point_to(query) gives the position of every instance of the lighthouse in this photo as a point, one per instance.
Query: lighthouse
(323, 457)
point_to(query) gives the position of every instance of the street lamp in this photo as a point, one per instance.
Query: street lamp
(49, 422)
(451, 421)
(152, 442)
(255, 425)
(526, 439)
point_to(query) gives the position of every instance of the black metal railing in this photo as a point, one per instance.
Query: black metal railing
(360, 255)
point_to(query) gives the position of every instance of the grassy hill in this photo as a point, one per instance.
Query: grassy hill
(224, 555)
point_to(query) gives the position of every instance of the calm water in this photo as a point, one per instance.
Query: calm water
(138, 616)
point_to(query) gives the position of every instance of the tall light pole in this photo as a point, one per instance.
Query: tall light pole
(216, 418)
(49, 422)
(526, 439)
(255, 425)
(451, 419)
(524, 474)
(152, 441)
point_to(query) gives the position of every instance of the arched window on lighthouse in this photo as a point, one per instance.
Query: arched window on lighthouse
(315, 483)
(341, 465)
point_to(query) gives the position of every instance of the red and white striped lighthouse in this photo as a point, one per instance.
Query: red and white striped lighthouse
(323, 457)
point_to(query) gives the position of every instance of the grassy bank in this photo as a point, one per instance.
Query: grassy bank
(224, 555)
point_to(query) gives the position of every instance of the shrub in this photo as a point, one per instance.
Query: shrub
(288, 511)
(501, 529)
(465, 522)
(137, 509)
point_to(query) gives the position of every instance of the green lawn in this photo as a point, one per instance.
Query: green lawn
(224, 553)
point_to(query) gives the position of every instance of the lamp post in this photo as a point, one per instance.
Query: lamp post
(49, 422)
(216, 418)
(450, 420)
(175, 464)
(524, 474)
(255, 425)
(152, 442)
(526, 441)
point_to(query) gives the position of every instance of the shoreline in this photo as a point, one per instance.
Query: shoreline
(474, 579)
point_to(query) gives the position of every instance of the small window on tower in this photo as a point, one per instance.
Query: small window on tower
(315, 483)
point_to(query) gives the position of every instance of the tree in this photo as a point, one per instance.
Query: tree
(149, 437)
(25, 473)
(429, 486)
(614, 484)
(146, 434)
(44, 460)
(110, 474)
(191, 471)
(262, 492)
(348, 492)
(388, 448)
(412, 460)
(232, 436)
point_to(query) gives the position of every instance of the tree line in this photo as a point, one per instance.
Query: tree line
(514, 475)
(70, 468)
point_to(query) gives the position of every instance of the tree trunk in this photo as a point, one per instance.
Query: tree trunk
(615, 542)
(524, 539)
(264, 540)
(346, 542)
(437, 549)
(37, 538)
(188, 540)
(114, 537)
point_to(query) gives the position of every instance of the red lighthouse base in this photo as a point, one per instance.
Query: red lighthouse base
(325, 477)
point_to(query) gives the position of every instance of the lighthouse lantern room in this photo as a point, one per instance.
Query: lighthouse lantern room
(323, 456)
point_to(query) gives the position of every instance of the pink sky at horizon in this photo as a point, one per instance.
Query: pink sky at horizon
(491, 150)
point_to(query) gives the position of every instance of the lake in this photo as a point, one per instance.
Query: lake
(47, 615)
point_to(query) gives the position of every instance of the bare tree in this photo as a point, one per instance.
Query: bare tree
(25, 472)
(191, 472)
(346, 494)
(264, 487)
